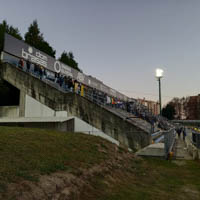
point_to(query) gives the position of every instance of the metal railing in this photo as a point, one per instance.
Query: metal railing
(157, 136)
(196, 138)
(89, 93)
(169, 140)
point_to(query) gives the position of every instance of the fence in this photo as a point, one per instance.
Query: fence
(196, 139)
(95, 96)
(157, 137)
(169, 139)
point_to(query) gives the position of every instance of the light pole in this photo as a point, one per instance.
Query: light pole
(159, 75)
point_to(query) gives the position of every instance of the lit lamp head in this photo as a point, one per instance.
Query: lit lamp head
(159, 73)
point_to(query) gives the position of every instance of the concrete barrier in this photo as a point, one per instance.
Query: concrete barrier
(191, 148)
(9, 111)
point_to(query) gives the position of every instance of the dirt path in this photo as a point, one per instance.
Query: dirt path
(62, 185)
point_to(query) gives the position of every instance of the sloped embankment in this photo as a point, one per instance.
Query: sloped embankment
(43, 164)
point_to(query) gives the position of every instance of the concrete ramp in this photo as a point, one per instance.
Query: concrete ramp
(153, 150)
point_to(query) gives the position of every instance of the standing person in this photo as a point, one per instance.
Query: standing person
(152, 125)
(57, 80)
(113, 102)
(108, 100)
(82, 90)
(70, 84)
(65, 83)
(36, 70)
(79, 88)
(44, 73)
(127, 107)
(76, 86)
(61, 80)
(179, 132)
(21, 63)
(28, 65)
(56, 77)
(41, 72)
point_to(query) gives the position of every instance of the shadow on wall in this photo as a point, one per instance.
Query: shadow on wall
(9, 95)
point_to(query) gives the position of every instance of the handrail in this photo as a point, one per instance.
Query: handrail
(93, 95)
(169, 140)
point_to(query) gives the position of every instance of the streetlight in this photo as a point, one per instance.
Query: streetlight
(159, 75)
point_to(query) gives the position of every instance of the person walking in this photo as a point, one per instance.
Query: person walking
(179, 132)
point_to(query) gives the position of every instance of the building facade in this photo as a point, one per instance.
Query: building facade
(193, 107)
(152, 106)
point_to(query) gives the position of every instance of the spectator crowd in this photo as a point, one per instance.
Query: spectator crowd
(68, 84)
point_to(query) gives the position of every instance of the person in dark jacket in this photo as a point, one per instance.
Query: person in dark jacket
(184, 133)
(40, 72)
(179, 130)
(28, 65)
(36, 69)
(21, 63)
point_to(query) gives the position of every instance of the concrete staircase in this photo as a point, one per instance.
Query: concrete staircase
(132, 133)
(143, 124)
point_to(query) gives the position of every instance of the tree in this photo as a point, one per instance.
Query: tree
(36, 39)
(5, 28)
(68, 59)
(169, 111)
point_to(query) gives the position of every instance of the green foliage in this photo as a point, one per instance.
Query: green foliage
(68, 59)
(169, 111)
(5, 28)
(35, 38)
(149, 179)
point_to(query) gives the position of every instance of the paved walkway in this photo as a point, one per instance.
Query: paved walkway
(153, 150)
(181, 150)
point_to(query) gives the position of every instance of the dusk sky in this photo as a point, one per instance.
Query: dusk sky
(122, 42)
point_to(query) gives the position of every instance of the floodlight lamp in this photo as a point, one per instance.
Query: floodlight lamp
(159, 73)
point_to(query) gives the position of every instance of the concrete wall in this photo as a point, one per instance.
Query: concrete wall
(113, 125)
(34, 108)
(66, 126)
(81, 126)
(9, 111)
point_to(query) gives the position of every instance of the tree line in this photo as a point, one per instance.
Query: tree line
(182, 108)
(10, 95)
(36, 39)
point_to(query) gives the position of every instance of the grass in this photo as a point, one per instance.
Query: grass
(27, 153)
(149, 179)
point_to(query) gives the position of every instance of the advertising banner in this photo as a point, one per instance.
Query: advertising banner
(20, 49)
